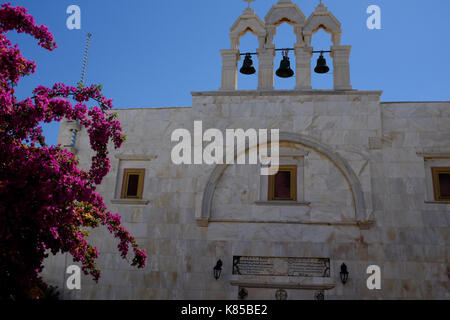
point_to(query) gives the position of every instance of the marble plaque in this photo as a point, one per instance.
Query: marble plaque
(272, 266)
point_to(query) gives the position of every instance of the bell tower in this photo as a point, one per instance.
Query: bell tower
(248, 21)
(285, 11)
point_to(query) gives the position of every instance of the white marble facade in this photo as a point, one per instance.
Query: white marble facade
(365, 193)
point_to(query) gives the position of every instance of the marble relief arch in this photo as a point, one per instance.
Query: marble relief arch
(204, 206)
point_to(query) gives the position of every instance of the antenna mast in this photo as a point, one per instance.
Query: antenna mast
(74, 131)
(85, 60)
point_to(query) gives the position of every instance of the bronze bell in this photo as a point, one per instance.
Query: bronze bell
(285, 70)
(321, 65)
(247, 66)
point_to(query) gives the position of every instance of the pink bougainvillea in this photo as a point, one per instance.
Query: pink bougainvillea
(46, 201)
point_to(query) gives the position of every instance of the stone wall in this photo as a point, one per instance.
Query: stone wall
(385, 145)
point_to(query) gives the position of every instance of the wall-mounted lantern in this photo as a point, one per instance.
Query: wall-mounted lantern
(344, 273)
(243, 293)
(218, 269)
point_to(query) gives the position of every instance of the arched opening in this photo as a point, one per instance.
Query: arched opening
(248, 43)
(321, 40)
(284, 38)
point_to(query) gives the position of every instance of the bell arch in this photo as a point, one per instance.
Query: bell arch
(284, 11)
(247, 23)
(204, 202)
(321, 18)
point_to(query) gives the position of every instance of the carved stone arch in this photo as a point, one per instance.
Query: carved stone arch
(284, 11)
(292, 15)
(321, 18)
(203, 212)
(247, 23)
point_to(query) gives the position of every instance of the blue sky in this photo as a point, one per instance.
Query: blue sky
(150, 53)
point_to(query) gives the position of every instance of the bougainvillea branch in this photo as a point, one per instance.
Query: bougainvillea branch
(46, 201)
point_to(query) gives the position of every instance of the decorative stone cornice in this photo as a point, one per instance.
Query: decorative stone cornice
(135, 157)
(281, 285)
(130, 201)
(434, 155)
(282, 203)
(358, 224)
(263, 93)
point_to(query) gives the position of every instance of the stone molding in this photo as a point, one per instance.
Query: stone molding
(321, 18)
(282, 203)
(298, 286)
(135, 157)
(437, 202)
(263, 93)
(360, 225)
(434, 155)
(130, 201)
(280, 282)
(204, 202)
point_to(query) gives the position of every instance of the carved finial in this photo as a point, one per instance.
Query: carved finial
(249, 2)
(321, 7)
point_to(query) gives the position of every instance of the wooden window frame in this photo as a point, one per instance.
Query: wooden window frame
(126, 177)
(435, 171)
(293, 192)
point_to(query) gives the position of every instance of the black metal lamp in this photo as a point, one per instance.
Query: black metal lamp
(243, 293)
(218, 269)
(344, 273)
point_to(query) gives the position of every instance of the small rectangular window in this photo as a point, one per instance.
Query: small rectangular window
(283, 185)
(441, 183)
(133, 183)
